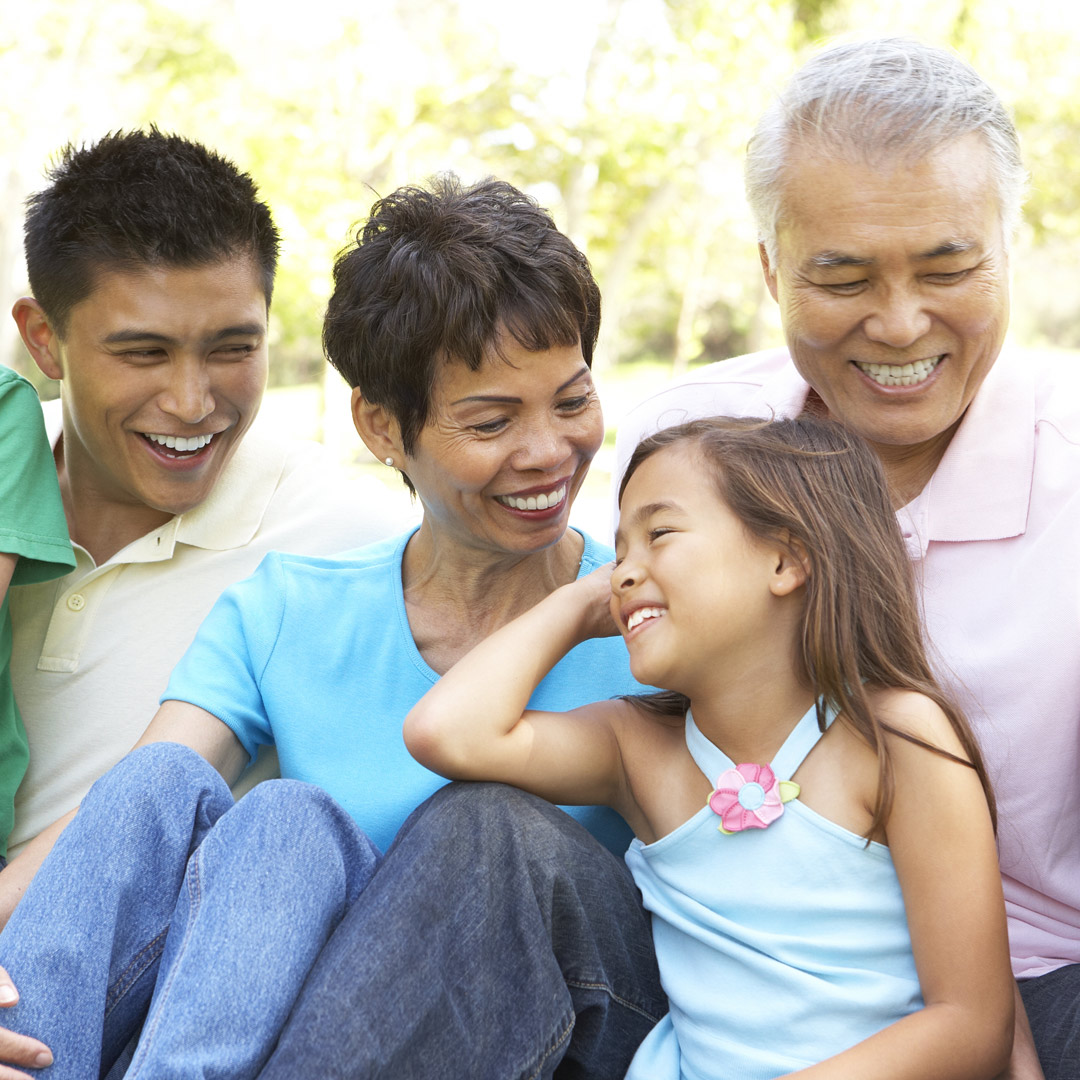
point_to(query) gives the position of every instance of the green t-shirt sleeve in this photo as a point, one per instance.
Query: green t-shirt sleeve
(32, 523)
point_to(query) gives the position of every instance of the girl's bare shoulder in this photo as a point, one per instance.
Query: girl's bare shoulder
(908, 715)
(641, 711)
(631, 721)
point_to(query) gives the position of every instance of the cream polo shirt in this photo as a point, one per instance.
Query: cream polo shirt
(992, 535)
(93, 650)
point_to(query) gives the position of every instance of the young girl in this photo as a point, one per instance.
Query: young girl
(814, 824)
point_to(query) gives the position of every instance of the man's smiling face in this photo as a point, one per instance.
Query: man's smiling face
(892, 282)
(163, 371)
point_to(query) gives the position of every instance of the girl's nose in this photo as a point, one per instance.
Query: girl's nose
(625, 576)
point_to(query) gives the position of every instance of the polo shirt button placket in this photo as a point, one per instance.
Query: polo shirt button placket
(76, 602)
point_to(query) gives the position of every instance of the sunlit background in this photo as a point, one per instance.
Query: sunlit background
(626, 118)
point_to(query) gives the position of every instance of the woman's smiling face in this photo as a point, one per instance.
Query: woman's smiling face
(506, 447)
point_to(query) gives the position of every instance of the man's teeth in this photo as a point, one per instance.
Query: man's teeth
(900, 374)
(534, 502)
(178, 442)
(638, 617)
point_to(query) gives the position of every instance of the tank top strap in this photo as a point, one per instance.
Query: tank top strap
(803, 738)
(712, 761)
(708, 757)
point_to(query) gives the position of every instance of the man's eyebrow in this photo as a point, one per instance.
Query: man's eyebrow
(125, 337)
(248, 329)
(827, 260)
(951, 247)
(133, 334)
(509, 400)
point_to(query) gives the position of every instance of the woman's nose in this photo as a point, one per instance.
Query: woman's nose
(542, 447)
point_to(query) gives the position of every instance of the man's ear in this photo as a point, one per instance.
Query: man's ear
(379, 430)
(792, 568)
(768, 270)
(39, 337)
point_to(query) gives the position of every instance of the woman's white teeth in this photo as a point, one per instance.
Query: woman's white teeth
(178, 442)
(638, 617)
(900, 374)
(534, 502)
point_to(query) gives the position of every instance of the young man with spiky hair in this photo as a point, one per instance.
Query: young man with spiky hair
(151, 260)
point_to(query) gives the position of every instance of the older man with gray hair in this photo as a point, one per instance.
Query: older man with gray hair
(886, 182)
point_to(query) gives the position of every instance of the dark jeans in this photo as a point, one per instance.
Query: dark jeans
(1052, 1002)
(497, 940)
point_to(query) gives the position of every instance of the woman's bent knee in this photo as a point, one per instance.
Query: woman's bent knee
(161, 778)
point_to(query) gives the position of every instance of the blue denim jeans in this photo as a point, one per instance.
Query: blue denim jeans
(166, 905)
(498, 940)
(1052, 1002)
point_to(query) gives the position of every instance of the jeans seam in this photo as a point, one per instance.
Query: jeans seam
(194, 890)
(134, 970)
(639, 1009)
(559, 1041)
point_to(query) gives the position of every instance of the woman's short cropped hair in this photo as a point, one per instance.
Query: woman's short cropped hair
(876, 100)
(436, 274)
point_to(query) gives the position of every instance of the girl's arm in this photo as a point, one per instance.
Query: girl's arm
(472, 725)
(942, 845)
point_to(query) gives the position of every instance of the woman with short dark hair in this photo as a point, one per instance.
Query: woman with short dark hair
(465, 323)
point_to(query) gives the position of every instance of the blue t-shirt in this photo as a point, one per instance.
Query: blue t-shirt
(316, 656)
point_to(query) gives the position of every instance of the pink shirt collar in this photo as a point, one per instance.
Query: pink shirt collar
(983, 484)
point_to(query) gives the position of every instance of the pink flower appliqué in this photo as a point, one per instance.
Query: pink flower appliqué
(750, 797)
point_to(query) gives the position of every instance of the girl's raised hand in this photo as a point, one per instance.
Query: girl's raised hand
(595, 592)
(473, 724)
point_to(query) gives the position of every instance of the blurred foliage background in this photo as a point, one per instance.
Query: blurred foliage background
(626, 118)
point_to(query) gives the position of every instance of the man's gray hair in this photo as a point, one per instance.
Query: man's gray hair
(871, 101)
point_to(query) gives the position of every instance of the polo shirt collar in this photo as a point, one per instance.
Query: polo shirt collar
(981, 489)
(229, 518)
(782, 396)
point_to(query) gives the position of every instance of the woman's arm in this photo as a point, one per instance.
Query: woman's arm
(472, 725)
(175, 721)
(942, 845)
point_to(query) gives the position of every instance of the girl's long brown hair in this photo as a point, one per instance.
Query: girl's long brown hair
(812, 484)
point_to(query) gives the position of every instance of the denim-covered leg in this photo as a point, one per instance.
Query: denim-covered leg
(83, 944)
(262, 894)
(1052, 1002)
(496, 940)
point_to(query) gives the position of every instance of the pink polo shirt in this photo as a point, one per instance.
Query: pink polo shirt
(993, 535)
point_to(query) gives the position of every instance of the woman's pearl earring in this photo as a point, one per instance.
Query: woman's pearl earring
(388, 461)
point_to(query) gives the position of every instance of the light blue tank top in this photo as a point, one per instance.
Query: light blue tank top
(778, 947)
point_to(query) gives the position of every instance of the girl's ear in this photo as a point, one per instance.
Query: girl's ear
(379, 430)
(792, 567)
